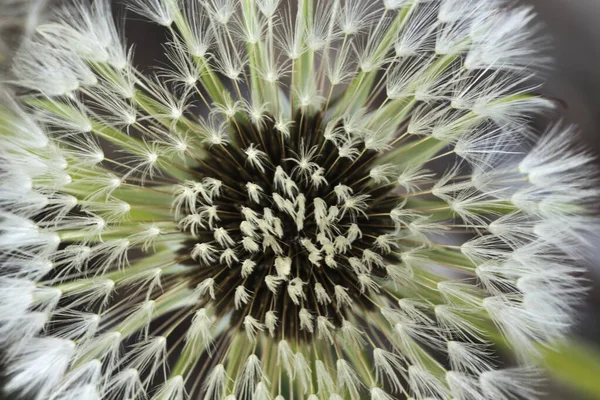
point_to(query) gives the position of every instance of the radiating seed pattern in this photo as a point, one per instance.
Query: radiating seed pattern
(321, 199)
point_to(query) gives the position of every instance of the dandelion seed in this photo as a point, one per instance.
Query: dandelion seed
(303, 371)
(215, 383)
(271, 321)
(347, 378)
(252, 327)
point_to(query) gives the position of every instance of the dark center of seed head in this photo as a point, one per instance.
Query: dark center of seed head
(290, 211)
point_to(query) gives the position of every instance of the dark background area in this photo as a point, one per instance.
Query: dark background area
(573, 26)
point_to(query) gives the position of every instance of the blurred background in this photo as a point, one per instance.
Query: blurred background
(574, 28)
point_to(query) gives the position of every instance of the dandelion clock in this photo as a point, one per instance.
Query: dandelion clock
(312, 199)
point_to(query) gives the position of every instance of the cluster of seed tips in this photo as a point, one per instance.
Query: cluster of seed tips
(263, 218)
(303, 234)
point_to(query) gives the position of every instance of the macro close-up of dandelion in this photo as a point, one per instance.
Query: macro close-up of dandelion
(311, 199)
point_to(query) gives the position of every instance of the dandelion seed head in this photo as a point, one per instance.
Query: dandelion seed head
(267, 208)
